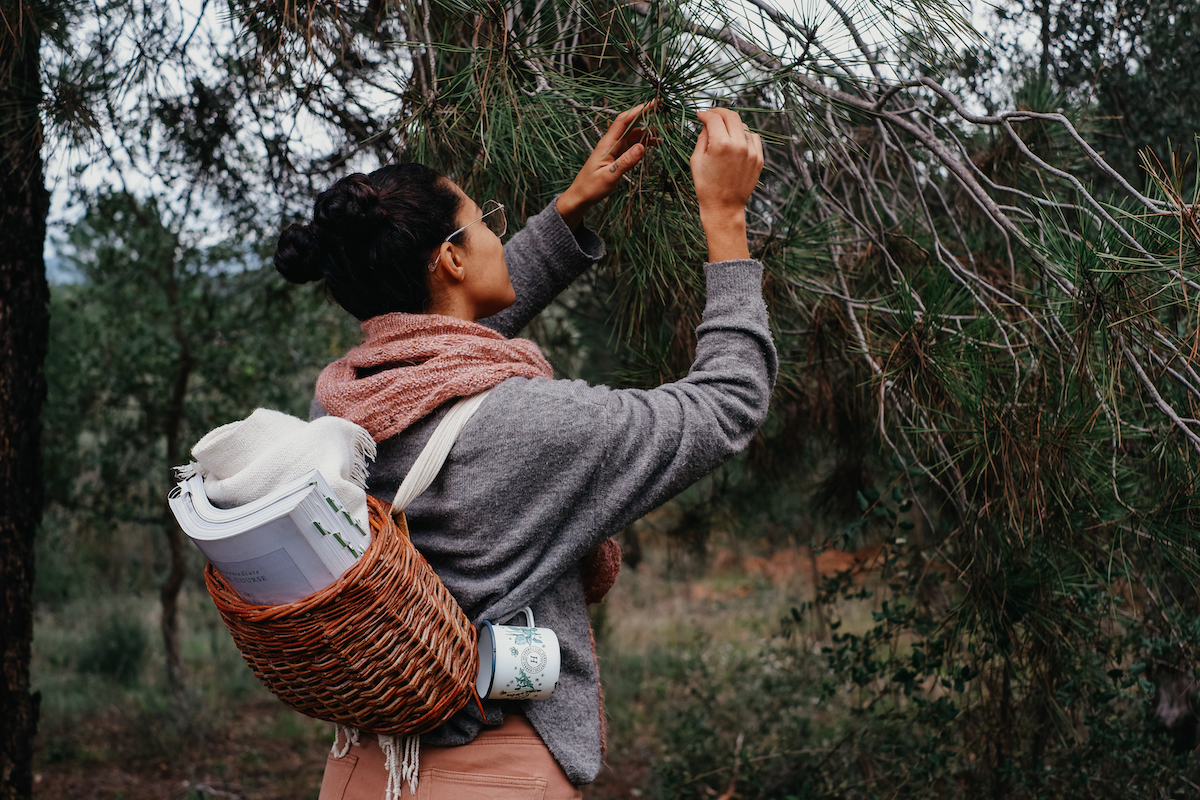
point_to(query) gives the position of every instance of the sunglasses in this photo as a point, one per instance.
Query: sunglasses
(493, 217)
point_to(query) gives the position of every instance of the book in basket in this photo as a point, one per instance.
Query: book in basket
(279, 548)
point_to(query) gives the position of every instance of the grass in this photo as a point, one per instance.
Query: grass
(692, 650)
(122, 736)
(676, 639)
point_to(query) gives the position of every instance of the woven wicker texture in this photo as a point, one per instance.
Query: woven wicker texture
(384, 648)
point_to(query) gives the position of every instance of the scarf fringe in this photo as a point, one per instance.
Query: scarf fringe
(402, 758)
(186, 471)
(364, 453)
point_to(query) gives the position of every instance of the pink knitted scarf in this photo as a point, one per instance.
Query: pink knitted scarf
(414, 363)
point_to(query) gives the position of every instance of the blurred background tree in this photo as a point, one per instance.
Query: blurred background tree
(984, 297)
(158, 341)
(1127, 66)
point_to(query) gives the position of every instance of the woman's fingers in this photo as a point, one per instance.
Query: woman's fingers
(701, 144)
(620, 127)
(621, 147)
(723, 130)
(721, 122)
(726, 162)
(636, 136)
(627, 159)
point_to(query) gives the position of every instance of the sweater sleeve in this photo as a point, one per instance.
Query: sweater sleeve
(547, 469)
(558, 466)
(660, 441)
(543, 258)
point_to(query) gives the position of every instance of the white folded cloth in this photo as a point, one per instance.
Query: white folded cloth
(245, 460)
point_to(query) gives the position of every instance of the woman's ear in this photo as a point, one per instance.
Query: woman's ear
(449, 266)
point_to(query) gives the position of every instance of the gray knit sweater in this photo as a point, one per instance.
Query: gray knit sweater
(547, 469)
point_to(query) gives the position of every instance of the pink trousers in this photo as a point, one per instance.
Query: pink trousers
(506, 763)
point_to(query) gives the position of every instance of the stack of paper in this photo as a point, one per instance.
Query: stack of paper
(296, 540)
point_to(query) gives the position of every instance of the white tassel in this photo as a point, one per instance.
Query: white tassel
(351, 739)
(402, 761)
(412, 761)
(364, 453)
(186, 471)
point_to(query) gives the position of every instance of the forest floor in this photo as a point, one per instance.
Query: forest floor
(117, 736)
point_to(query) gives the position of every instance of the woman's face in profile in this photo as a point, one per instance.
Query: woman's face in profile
(485, 280)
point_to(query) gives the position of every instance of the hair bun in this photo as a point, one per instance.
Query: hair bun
(370, 239)
(349, 208)
(297, 256)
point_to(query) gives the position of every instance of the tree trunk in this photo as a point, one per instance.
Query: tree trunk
(169, 593)
(24, 332)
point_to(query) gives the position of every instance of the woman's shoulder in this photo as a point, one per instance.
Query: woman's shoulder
(547, 394)
(531, 414)
(540, 415)
(529, 432)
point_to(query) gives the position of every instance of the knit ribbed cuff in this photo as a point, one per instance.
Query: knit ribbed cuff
(582, 243)
(739, 276)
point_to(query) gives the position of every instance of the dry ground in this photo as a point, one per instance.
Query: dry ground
(251, 747)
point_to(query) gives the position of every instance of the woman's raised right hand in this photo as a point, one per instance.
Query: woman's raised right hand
(725, 167)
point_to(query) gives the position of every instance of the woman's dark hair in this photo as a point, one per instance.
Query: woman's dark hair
(371, 239)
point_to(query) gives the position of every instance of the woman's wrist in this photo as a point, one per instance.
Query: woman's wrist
(571, 209)
(726, 235)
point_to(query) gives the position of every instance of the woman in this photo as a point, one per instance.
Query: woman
(546, 469)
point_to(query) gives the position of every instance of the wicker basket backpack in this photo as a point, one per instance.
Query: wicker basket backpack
(385, 647)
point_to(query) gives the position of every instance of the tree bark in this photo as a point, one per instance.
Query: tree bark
(24, 332)
(169, 593)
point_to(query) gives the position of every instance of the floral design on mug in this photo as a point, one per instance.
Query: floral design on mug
(526, 636)
(524, 661)
(522, 686)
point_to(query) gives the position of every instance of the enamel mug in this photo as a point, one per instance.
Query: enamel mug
(517, 663)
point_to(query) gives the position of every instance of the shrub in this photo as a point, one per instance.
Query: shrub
(114, 649)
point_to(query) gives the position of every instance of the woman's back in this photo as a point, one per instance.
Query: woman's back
(547, 469)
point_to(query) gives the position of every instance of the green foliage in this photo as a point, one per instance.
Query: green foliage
(722, 723)
(1130, 64)
(918, 701)
(158, 342)
(984, 369)
(959, 320)
(114, 649)
(91, 721)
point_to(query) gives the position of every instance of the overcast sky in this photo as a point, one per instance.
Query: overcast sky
(877, 29)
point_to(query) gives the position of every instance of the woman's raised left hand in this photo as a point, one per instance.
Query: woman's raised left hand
(619, 149)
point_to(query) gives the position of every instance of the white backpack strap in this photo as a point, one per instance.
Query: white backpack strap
(429, 463)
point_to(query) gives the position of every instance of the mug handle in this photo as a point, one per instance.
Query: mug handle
(529, 616)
